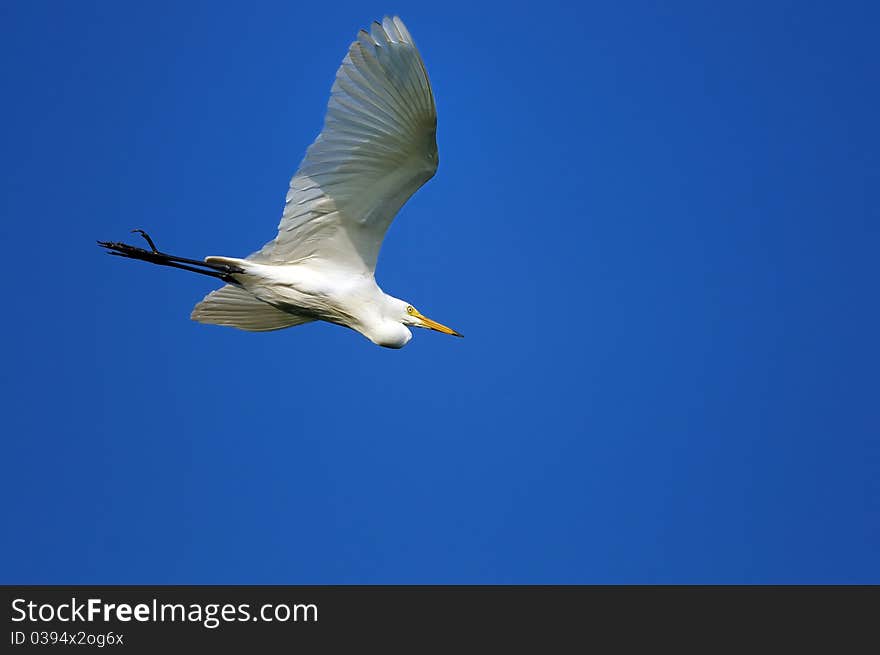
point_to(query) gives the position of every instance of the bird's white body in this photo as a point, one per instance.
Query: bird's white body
(319, 291)
(378, 146)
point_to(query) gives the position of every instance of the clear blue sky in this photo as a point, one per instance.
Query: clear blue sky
(655, 223)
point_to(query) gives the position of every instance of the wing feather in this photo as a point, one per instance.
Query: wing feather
(377, 147)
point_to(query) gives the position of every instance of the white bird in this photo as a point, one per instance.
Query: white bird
(378, 147)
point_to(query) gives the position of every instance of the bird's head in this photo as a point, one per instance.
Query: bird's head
(392, 330)
(409, 315)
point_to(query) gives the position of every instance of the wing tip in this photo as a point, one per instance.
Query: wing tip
(391, 29)
(404, 32)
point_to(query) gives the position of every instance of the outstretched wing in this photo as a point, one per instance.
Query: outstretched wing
(378, 146)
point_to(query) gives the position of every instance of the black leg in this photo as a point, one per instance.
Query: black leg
(221, 271)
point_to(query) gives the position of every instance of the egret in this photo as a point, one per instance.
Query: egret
(377, 147)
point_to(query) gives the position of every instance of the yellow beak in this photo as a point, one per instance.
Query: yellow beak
(434, 325)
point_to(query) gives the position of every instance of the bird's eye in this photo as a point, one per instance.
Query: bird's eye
(409, 309)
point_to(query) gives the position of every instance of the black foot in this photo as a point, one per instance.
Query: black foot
(149, 240)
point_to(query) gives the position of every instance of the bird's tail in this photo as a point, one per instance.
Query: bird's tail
(230, 305)
(235, 307)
